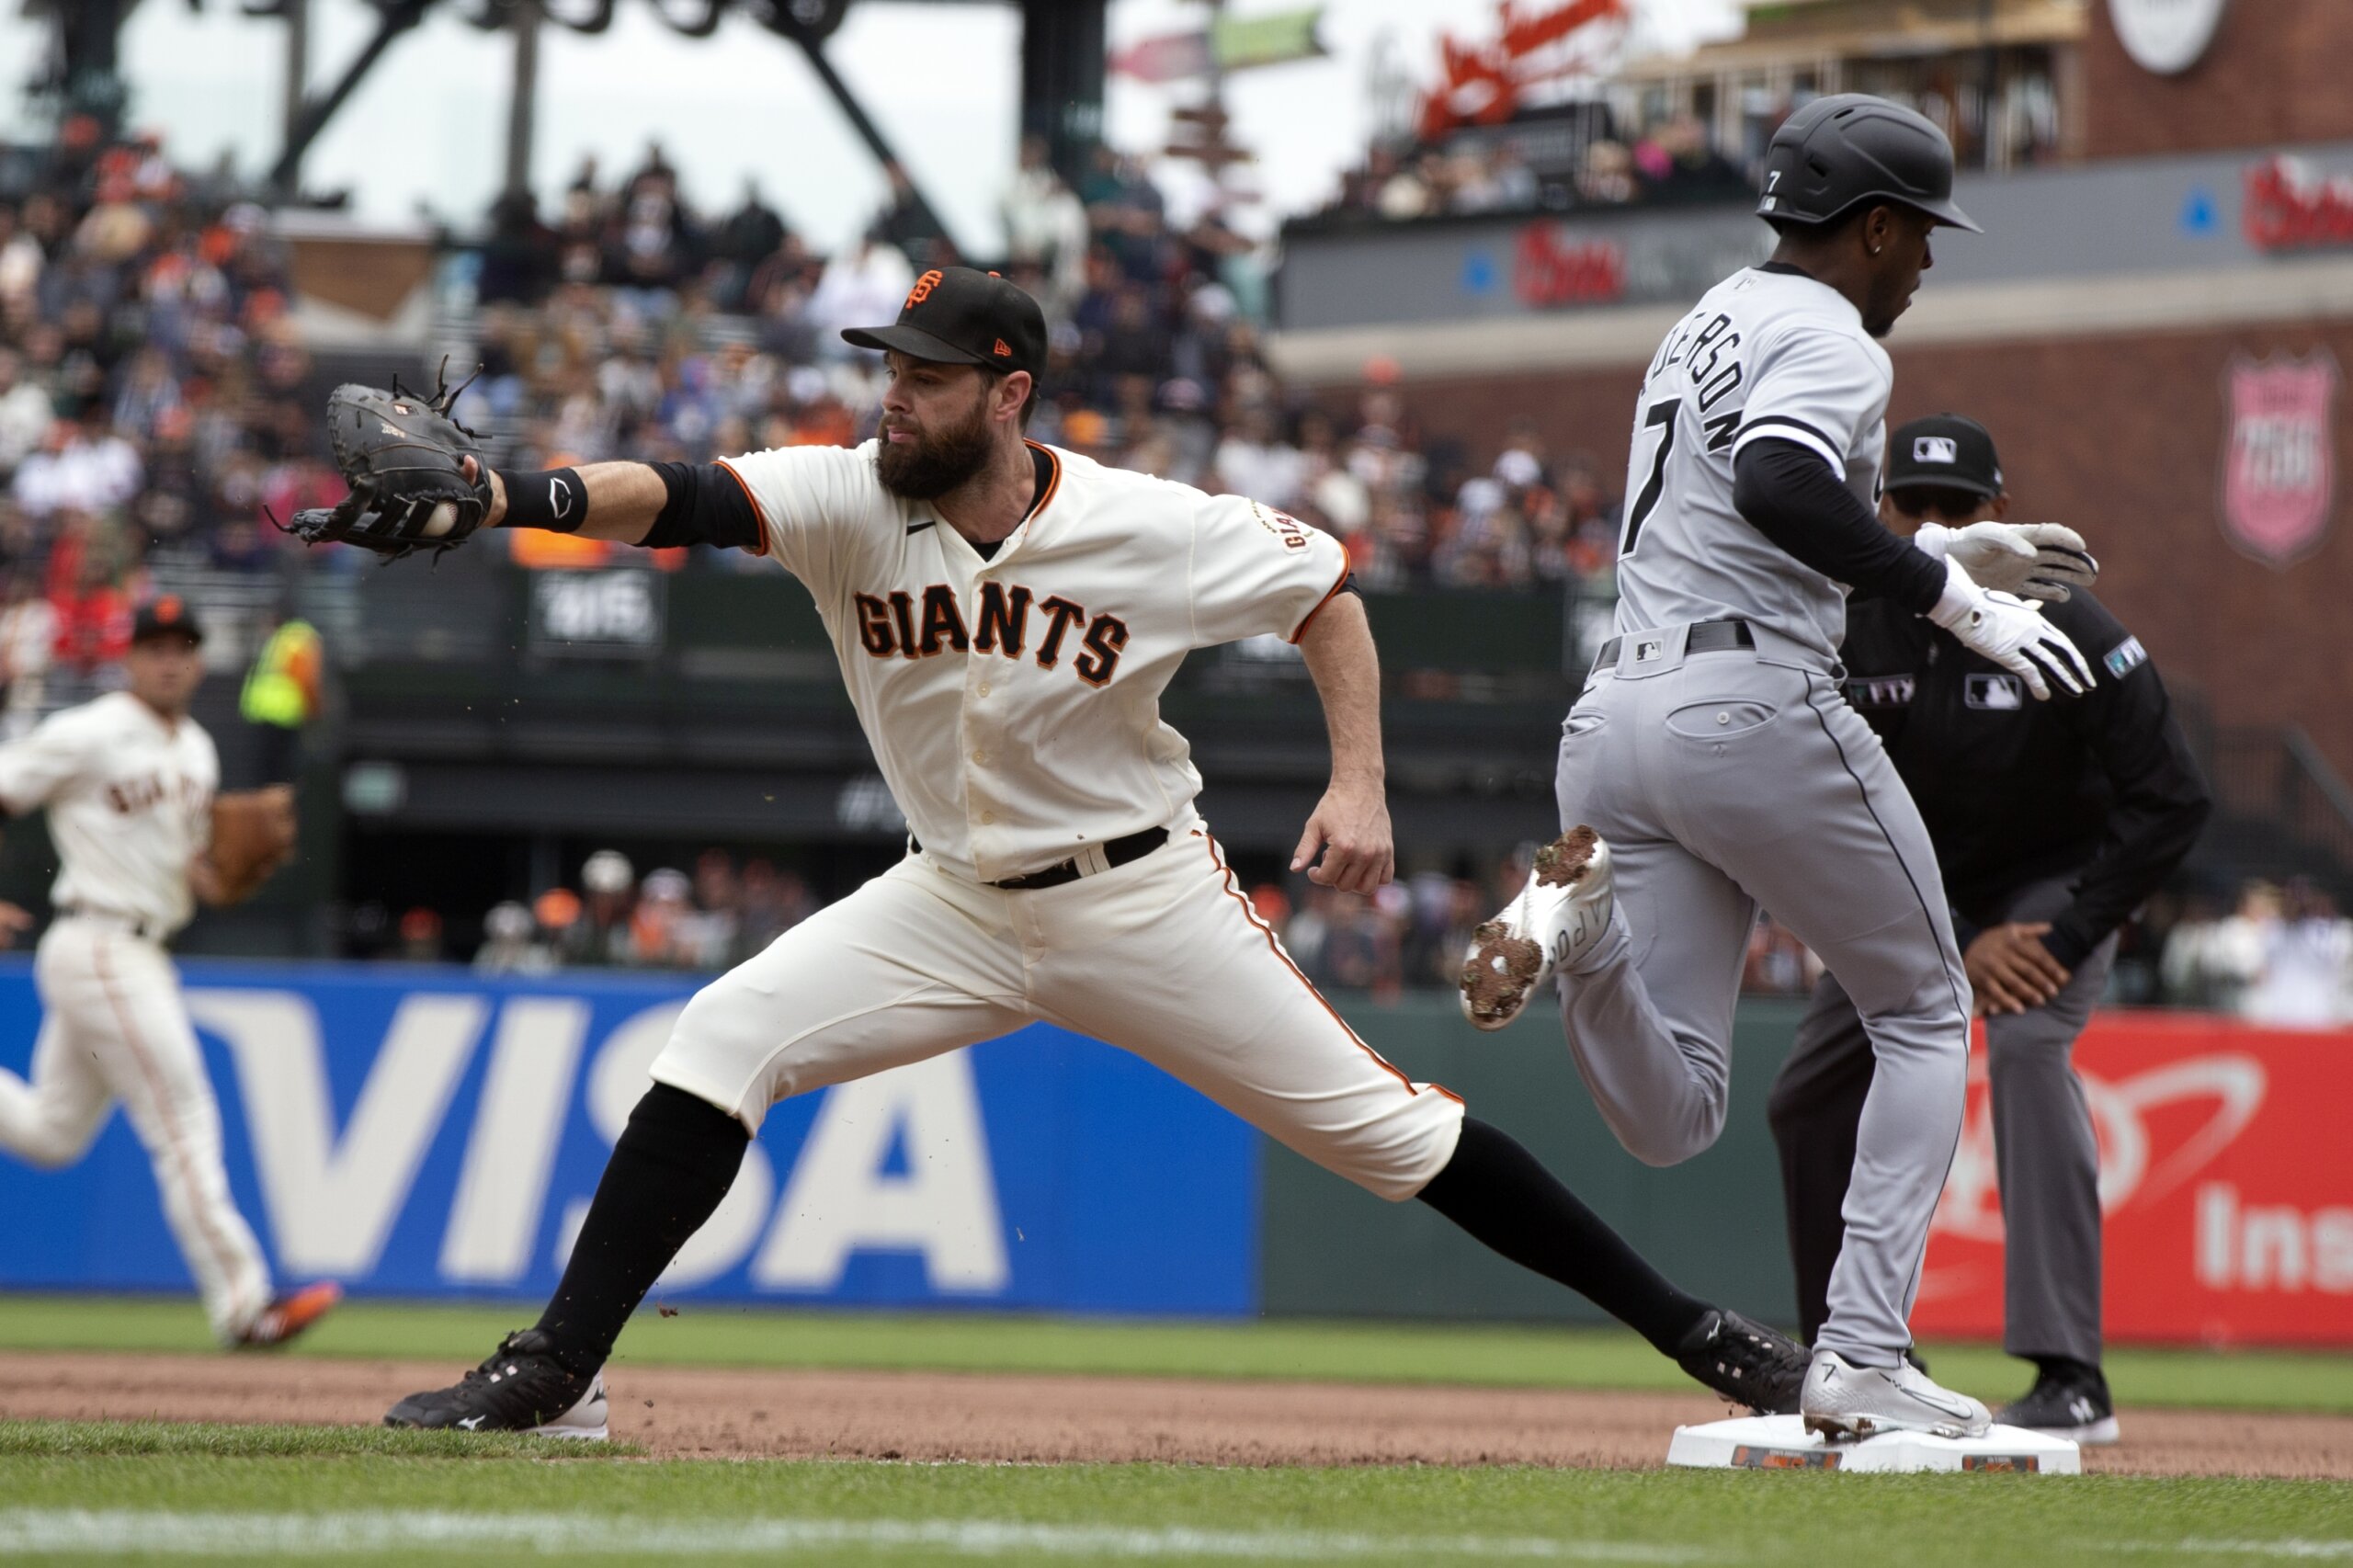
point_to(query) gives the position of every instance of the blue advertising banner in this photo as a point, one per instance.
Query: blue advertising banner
(422, 1133)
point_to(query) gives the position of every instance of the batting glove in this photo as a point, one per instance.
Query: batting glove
(2009, 631)
(2034, 561)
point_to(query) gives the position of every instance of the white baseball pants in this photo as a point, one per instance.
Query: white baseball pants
(116, 1030)
(1161, 957)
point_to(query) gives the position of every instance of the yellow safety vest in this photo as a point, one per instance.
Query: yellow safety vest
(272, 694)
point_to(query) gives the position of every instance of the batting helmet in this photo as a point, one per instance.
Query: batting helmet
(1839, 152)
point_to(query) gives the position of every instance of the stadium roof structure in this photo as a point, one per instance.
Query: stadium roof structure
(1062, 60)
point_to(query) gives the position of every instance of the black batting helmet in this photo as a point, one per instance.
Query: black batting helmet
(1839, 152)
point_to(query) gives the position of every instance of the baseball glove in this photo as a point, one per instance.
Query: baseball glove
(404, 458)
(253, 835)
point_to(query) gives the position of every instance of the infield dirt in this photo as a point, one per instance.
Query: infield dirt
(767, 1413)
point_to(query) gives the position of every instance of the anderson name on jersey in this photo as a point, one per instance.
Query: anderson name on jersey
(1767, 353)
(1013, 701)
(130, 800)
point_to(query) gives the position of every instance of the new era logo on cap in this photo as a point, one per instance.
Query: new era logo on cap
(1004, 349)
(1935, 449)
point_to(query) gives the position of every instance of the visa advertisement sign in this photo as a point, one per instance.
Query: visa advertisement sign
(425, 1132)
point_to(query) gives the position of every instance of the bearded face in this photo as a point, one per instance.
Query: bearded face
(924, 462)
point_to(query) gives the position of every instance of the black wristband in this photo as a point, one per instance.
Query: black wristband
(553, 499)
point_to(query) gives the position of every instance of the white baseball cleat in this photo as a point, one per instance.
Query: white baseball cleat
(1842, 1399)
(1555, 921)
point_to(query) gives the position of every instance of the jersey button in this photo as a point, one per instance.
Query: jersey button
(980, 759)
(984, 688)
(988, 819)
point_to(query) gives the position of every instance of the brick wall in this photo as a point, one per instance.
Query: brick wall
(2120, 437)
(2277, 71)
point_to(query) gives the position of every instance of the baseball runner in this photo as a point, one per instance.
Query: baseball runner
(1710, 762)
(2052, 822)
(129, 781)
(1006, 615)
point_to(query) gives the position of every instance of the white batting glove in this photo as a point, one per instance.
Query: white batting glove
(2009, 631)
(2034, 561)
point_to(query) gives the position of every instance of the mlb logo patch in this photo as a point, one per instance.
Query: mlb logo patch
(2125, 658)
(1998, 693)
(1645, 652)
(1935, 450)
(1880, 691)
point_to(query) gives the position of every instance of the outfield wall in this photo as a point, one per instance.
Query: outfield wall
(422, 1132)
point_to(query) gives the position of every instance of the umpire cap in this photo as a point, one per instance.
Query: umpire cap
(1840, 152)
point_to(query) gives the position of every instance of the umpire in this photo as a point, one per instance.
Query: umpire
(2052, 822)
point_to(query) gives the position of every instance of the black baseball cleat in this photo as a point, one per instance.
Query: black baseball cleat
(2066, 1405)
(522, 1388)
(1745, 1361)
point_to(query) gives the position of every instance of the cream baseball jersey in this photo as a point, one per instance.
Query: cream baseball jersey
(130, 802)
(1013, 702)
(1764, 353)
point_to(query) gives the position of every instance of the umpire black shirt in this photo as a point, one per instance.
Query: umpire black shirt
(2100, 788)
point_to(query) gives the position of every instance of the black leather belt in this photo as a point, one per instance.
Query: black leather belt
(1117, 852)
(145, 930)
(1707, 637)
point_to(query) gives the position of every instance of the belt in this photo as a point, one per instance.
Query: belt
(1706, 637)
(1116, 852)
(144, 930)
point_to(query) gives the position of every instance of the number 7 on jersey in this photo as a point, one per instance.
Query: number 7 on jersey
(1661, 418)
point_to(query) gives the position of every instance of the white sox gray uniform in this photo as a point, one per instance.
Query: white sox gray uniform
(1723, 769)
(129, 794)
(1013, 705)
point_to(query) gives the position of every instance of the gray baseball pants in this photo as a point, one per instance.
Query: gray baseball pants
(2044, 1149)
(1723, 781)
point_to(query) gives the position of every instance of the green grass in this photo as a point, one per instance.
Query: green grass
(1527, 1356)
(866, 1513)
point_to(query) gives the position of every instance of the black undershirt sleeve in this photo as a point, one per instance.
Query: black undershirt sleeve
(1788, 494)
(707, 504)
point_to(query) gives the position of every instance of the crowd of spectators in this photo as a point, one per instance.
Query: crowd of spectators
(702, 921)
(633, 325)
(2282, 955)
(1674, 160)
(155, 396)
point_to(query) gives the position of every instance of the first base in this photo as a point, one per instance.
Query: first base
(1781, 1442)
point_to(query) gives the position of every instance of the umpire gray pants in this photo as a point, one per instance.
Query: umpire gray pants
(1721, 779)
(2045, 1153)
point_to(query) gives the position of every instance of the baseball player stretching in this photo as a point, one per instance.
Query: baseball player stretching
(1711, 762)
(1006, 615)
(129, 781)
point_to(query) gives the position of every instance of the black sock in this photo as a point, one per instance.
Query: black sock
(673, 1164)
(2066, 1369)
(1497, 1191)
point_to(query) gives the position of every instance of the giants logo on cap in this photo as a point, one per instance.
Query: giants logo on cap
(922, 291)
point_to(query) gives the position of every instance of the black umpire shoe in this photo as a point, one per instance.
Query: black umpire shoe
(1745, 1362)
(521, 1388)
(2071, 1403)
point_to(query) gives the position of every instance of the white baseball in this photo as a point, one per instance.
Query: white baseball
(444, 518)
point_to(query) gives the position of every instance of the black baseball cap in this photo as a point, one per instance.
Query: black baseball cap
(1945, 450)
(958, 315)
(166, 614)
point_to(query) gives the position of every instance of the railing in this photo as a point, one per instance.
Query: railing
(2281, 809)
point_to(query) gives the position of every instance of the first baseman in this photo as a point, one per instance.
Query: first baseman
(129, 781)
(1711, 764)
(2052, 822)
(1006, 615)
